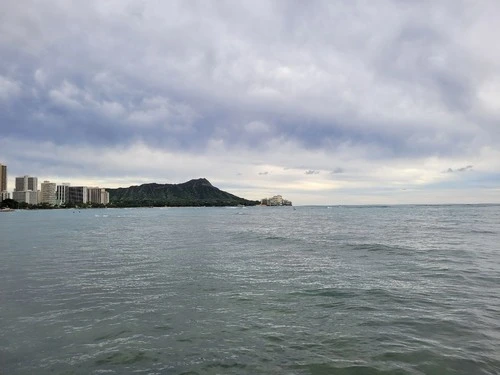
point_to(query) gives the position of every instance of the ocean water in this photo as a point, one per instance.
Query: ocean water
(311, 290)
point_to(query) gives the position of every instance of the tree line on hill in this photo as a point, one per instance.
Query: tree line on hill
(193, 193)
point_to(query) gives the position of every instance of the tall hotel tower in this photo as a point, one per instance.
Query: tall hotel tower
(26, 190)
(47, 193)
(3, 177)
(3, 183)
(26, 183)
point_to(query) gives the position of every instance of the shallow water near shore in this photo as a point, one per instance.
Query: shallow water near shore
(260, 290)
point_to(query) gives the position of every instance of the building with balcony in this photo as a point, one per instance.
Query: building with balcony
(77, 194)
(26, 190)
(62, 193)
(277, 200)
(97, 195)
(48, 193)
(26, 183)
(27, 196)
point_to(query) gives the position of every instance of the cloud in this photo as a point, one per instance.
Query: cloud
(462, 169)
(394, 92)
(338, 170)
(8, 88)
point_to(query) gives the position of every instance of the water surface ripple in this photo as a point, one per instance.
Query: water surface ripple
(315, 290)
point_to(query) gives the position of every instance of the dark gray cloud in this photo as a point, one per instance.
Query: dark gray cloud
(369, 82)
(462, 169)
(311, 171)
(114, 74)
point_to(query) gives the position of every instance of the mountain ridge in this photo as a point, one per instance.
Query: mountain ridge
(195, 192)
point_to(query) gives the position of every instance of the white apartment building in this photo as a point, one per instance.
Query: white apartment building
(27, 196)
(277, 200)
(97, 195)
(26, 183)
(62, 193)
(105, 198)
(48, 192)
(26, 190)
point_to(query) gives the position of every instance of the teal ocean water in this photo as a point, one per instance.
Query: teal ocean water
(311, 290)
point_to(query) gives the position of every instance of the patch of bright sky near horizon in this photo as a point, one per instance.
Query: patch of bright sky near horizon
(324, 102)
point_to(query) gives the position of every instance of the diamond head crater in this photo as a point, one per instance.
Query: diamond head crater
(193, 193)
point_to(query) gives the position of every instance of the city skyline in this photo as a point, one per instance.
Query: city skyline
(324, 102)
(26, 189)
(61, 188)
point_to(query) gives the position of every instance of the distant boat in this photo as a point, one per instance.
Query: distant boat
(6, 209)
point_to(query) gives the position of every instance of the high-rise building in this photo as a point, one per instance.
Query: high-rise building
(26, 190)
(3, 177)
(105, 198)
(27, 196)
(78, 194)
(48, 192)
(33, 183)
(4, 195)
(97, 195)
(62, 193)
(26, 183)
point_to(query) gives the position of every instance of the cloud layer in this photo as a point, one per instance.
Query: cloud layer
(322, 102)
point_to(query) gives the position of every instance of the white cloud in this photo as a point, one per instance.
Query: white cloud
(9, 88)
(112, 109)
(40, 77)
(160, 110)
(386, 95)
(139, 163)
(257, 127)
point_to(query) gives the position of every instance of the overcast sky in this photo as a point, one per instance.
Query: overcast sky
(324, 102)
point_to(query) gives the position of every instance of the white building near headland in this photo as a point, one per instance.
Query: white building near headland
(97, 195)
(277, 200)
(78, 194)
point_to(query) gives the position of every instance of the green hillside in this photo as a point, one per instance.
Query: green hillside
(197, 192)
